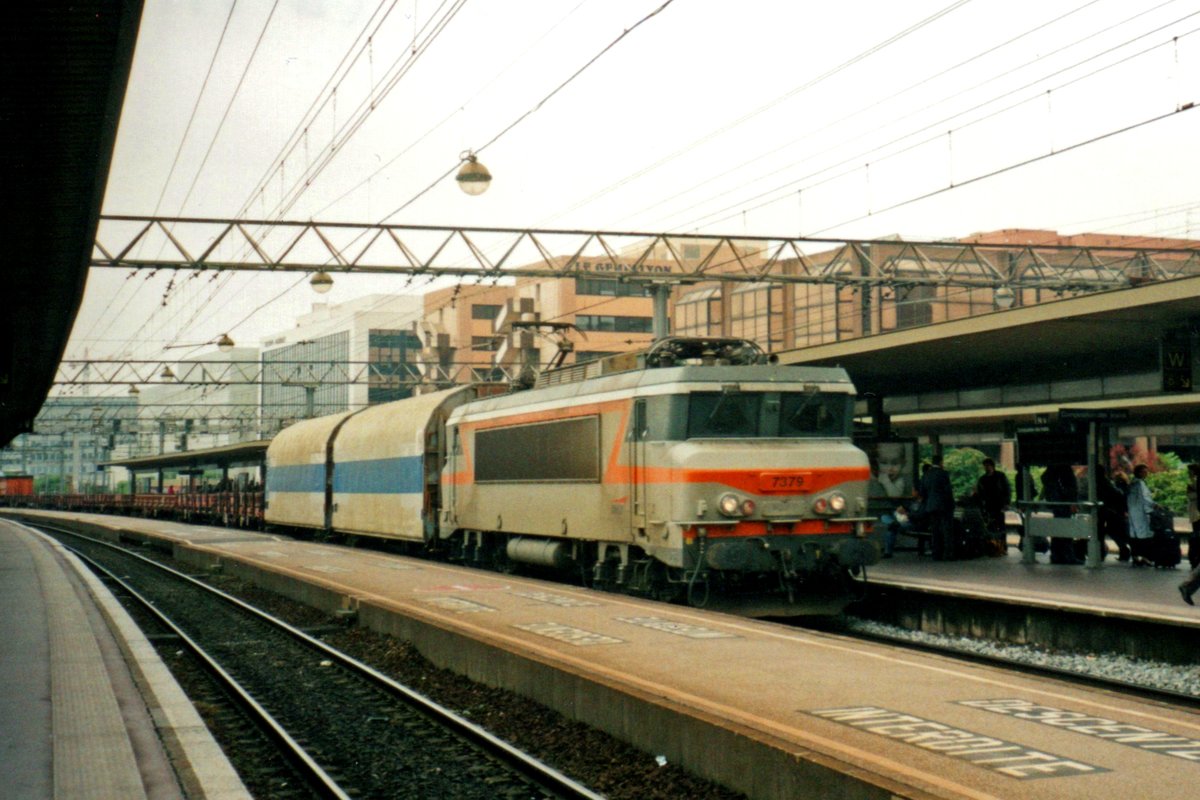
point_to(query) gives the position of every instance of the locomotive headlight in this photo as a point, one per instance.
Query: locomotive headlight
(830, 504)
(730, 505)
(747, 507)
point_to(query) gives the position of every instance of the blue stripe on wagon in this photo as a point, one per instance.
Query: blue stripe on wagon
(296, 478)
(401, 475)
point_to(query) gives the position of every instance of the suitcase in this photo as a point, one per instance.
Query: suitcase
(1161, 520)
(1165, 552)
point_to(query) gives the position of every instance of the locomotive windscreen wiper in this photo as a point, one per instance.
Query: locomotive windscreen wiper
(810, 394)
(728, 414)
(809, 417)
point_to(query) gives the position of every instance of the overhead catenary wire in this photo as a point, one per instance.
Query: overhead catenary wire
(928, 20)
(870, 51)
(853, 163)
(871, 106)
(436, 26)
(217, 132)
(537, 107)
(319, 102)
(367, 107)
(322, 98)
(174, 163)
(314, 109)
(459, 109)
(521, 118)
(291, 172)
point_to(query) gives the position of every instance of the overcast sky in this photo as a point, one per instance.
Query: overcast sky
(762, 117)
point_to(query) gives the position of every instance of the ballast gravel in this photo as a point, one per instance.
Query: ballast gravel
(1181, 679)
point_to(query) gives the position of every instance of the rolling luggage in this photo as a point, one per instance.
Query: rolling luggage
(1165, 552)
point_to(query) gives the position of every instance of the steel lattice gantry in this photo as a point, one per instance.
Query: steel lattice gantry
(483, 254)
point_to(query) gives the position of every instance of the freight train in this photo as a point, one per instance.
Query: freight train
(700, 470)
(16, 486)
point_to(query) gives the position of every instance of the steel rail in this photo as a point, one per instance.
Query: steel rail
(318, 779)
(538, 772)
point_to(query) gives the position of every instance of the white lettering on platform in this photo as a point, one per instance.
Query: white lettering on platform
(1168, 744)
(565, 633)
(998, 755)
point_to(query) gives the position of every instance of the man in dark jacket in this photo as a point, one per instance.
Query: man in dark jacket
(937, 502)
(1112, 515)
(1060, 486)
(994, 495)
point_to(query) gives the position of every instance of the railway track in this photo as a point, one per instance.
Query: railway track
(342, 728)
(946, 646)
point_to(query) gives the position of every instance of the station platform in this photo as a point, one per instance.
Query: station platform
(768, 710)
(87, 709)
(1113, 589)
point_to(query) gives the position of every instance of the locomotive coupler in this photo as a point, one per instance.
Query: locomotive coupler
(785, 564)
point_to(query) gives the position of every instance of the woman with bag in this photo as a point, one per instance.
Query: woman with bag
(1141, 502)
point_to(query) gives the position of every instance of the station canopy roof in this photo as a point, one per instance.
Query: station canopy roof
(65, 65)
(1107, 333)
(232, 455)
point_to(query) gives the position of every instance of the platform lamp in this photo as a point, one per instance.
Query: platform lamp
(223, 343)
(1003, 297)
(473, 177)
(321, 282)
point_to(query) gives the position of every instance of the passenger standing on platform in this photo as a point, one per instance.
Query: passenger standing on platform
(994, 495)
(1192, 583)
(1059, 486)
(937, 503)
(1189, 586)
(1112, 515)
(1141, 501)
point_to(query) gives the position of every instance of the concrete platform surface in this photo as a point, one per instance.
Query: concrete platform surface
(1113, 588)
(87, 709)
(769, 710)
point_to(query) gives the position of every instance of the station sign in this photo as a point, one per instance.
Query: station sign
(1093, 414)
(1051, 447)
(1176, 364)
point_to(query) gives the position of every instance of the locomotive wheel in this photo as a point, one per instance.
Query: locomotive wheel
(661, 587)
(604, 575)
(496, 558)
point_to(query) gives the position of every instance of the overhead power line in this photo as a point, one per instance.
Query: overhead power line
(937, 130)
(537, 107)
(870, 51)
(985, 176)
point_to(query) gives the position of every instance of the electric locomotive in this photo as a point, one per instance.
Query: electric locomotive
(697, 471)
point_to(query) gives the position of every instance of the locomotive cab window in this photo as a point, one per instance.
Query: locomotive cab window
(815, 414)
(746, 415)
(725, 415)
